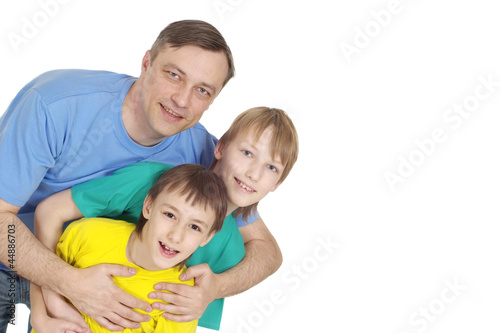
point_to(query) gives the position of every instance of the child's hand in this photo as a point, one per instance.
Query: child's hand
(52, 325)
(58, 308)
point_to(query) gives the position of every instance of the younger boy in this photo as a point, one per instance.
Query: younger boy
(253, 158)
(178, 216)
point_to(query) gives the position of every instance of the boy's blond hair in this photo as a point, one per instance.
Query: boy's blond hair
(285, 141)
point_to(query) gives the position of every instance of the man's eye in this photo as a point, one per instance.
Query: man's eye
(203, 91)
(173, 75)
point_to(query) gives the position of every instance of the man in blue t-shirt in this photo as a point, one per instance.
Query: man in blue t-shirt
(69, 126)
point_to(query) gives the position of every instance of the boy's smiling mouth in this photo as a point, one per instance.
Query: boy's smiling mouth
(244, 186)
(168, 251)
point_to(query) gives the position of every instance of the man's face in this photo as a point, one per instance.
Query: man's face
(177, 87)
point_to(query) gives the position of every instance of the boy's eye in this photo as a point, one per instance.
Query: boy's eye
(170, 215)
(247, 153)
(272, 168)
(195, 227)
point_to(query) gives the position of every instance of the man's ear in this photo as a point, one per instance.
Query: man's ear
(146, 61)
(147, 206)
(208, 239)
(218, 150)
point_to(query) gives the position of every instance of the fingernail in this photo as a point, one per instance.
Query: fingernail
(131, 270)
(149, 309)
(152, 295)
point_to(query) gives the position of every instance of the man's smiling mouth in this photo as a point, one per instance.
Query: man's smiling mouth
(170, 112)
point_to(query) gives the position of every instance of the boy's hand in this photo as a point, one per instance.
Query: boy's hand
(187, 303)
(52, 325)
(93, 292)
(58, 308)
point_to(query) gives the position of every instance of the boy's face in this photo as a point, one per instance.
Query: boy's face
(178, 86)
(247, 168)
(174, 230)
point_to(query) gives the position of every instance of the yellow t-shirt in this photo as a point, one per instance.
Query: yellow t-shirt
(92, 241)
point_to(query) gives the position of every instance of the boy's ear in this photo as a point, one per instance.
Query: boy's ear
(218, 150)
(275, 187)
(146, 207)
(208, 239)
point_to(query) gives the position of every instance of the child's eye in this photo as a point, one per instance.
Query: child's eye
(247, 153)
(195, 227)
(272, 168)
(170, 215)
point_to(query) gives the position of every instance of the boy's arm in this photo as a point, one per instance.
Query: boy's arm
(262, 258)
(50, 216)
(42, 322)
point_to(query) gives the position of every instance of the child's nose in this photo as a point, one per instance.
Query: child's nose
(176, 234)
(253, 172)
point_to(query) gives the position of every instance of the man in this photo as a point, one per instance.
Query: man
(66, 127)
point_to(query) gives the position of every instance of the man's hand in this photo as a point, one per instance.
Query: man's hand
(94, 293)
(187, 303)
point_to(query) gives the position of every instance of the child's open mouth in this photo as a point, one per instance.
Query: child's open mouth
(244, 186)
(168, 251)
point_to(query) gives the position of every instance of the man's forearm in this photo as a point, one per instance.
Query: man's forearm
(262, 258)
(27, 256)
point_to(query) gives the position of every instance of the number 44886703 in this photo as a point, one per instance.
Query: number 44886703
(12, 246)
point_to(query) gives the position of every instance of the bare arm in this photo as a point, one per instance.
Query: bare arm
(263, 258)
(50, 216)
(31, 257)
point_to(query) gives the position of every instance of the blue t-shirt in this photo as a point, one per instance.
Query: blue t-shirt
(66, 127)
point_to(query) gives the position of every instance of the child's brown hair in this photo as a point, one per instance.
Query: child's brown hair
(202, 187)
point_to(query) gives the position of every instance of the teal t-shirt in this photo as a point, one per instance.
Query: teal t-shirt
(121, 196)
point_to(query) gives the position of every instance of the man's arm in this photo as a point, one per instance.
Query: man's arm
(263, 258)
(31, 258)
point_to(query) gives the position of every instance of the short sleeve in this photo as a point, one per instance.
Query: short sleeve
(254, 216)
(69, 243)
(28, 147)
(119, 195)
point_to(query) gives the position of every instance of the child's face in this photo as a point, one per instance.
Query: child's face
(174, 230)
(247, 168)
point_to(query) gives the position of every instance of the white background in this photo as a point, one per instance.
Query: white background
(358, 117)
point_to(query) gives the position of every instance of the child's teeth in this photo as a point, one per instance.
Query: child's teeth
(245, 187)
